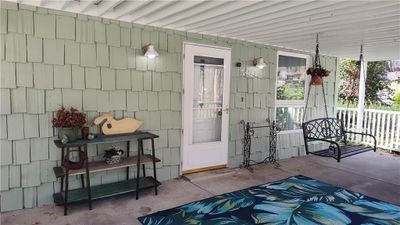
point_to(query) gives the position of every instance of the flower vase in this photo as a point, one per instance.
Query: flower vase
(316, 80)
(70, 133)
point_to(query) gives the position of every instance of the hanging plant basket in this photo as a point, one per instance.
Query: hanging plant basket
(317, 72)
(316, 80)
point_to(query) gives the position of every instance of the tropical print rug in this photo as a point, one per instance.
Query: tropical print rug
(295, 200)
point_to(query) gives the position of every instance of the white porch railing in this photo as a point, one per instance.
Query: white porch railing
(383, 124)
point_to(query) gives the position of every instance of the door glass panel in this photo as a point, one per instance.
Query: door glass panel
(207, 99)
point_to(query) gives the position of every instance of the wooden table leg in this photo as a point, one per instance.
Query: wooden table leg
(138, 171)
(66, 186)
(89, 192)
(154, 166)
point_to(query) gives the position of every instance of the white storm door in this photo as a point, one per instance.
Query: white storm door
(206, 76)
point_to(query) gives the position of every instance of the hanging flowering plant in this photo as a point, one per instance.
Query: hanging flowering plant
(318, 71)
(71, 118)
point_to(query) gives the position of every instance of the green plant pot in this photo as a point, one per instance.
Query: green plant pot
(71, 133)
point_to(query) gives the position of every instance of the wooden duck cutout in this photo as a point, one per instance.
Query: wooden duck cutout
(110, 126)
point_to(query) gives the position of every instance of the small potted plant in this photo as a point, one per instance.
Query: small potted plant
(68, 122)
(317, 73)
(113, 155)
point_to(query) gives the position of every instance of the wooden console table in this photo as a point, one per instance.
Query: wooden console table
(105, 190)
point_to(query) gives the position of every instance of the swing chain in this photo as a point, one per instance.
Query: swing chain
(323, 93)
(317, 64)
(308, 98)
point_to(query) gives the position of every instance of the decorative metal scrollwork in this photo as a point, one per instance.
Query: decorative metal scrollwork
(323, 128)
(248, 133)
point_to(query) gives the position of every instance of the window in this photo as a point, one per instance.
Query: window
(290, 90)
(207, 99)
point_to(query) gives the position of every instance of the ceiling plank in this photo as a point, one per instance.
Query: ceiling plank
(215, 11)
(103, 7)
(322, 23)
(84, 5)
(149, 9)
(307, 17)
(281, 18)
(245, 16)
(127, 7)
(27, 2)
(198, 9)
(390, 34)
(172, 9)
(217, 20)
(348, 29)
(66, 3)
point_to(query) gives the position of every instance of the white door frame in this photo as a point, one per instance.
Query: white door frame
(187, 133)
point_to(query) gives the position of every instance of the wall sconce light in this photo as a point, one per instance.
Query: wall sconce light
(259, 62)
(149, 51)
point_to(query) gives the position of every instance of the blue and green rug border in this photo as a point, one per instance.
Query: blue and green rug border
(358, 198)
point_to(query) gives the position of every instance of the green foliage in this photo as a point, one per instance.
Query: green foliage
(396, 100)
(291, 91)
(350, 80)
(375, 82)
(370, 106)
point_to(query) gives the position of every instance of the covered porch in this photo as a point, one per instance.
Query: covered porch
(151, 61)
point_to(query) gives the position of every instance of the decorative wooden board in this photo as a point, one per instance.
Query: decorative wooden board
(111, 126)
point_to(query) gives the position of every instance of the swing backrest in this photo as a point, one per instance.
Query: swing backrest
(324, 128)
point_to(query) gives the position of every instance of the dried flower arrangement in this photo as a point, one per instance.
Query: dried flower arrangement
(71, 118)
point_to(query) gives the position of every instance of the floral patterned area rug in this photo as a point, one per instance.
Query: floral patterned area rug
(295, 200)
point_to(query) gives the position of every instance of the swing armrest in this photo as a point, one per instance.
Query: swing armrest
(329, 141)
(362, 134)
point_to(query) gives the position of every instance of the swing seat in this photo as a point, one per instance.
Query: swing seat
(331, 130)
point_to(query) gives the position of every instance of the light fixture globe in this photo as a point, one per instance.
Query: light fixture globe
(259, 63)
(149, 51)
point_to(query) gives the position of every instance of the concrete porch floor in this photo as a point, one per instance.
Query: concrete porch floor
(374, 174)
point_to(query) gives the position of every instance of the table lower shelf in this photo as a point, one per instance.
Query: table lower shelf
(105, 190)
(100, 166)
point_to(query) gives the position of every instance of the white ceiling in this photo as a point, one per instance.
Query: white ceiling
(342, 24)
